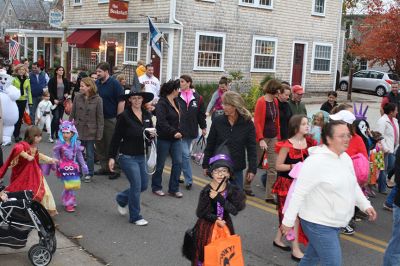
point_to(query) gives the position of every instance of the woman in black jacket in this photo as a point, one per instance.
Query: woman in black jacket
(237, 128)
(169, 139)
(128, 141)
(59, 89)
(193, 116)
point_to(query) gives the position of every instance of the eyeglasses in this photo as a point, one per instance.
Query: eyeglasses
(343, 136)
(137, 98)
(219, 171)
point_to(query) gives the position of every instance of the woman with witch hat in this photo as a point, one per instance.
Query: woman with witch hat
(217, 201)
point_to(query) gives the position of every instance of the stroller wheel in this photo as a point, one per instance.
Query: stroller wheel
(39, 255)
(53, 244)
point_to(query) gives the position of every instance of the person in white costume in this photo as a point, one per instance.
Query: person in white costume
(43, 114)
(151, 83)
(8, 95)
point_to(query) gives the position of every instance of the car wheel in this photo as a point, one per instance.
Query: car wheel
(380, 91)
(343, 86)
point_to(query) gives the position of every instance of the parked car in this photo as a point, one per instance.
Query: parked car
(370, 80)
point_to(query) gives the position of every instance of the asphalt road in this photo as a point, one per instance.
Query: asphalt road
(114, 241)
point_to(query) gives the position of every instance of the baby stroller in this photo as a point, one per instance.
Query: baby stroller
(18, 216)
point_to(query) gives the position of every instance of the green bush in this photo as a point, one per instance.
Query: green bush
(250, 98)
(206, 90)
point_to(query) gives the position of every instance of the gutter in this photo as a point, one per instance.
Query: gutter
(175, 20)
(338, 44)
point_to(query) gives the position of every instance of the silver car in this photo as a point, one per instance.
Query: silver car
(370, 80)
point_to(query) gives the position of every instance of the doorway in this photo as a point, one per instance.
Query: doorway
(110, 56)
(156, 63)
(298, 64)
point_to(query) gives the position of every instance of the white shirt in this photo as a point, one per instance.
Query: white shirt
(385, 127)
(151, 84)
(326, 190)
(44, 106)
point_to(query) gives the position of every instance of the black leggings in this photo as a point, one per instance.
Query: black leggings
(55, 122)
(21, 109)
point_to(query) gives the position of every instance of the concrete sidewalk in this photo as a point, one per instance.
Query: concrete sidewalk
(319, 98)
(68, 253)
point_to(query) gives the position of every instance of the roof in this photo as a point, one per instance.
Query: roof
(29, 10)
(2, 5)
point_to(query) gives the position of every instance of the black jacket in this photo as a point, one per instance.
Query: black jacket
(327, 107)
(128, 133)
(192, 116)
(167, 119)
(397, 178)
(285, 113)
(241, 140)
(52, 85)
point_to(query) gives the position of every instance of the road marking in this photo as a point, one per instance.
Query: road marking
(377, 244)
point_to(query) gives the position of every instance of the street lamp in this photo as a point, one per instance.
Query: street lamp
(64, 26)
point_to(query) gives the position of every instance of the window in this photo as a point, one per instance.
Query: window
(263, 57)
(131, 47)
(77, 2)
(102, 1)
(9, 12)
(322, 57)
(210, 49)
(375, 75)
(257, 3)
(318, 8)
(361, 74)
(363, 64)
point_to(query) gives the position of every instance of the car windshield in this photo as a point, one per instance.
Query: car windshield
(394, 77)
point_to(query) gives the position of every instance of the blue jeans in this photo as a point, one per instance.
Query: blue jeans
(186, 166)
(89, 150)
(390, 197)
(389, 159)
(392, 253)
(173, 148)
(238, 179)
(134, 169)
(33, 107)
(323, 246)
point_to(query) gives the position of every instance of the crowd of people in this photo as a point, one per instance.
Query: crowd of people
(115, 125)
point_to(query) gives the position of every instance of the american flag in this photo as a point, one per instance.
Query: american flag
(14, 47)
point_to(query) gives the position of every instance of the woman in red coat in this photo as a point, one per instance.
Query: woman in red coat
(266, 122)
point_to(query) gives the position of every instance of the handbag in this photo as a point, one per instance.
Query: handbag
(27, 119)
(197, 153)
(188, 247)
(67, 106)
(224, 248)
(151, 162)
(263, 163)
(68, 171)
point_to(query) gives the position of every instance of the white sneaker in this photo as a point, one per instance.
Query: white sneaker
(122, 210)
(87, 179)
(141, 222)
(51, 140)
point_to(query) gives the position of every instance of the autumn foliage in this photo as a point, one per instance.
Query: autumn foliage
(378, 35)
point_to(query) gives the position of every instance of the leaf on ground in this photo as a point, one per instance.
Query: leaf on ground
(77, 237)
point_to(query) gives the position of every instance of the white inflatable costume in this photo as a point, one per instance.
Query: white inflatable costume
(8, 95)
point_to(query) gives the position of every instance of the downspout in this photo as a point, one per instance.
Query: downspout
(173, 5)
(338, 43)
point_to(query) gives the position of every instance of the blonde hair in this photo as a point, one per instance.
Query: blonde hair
(46, 94)
(121, 77)
(321, 115)
(88, 81)
(234, 99)
(18, 67)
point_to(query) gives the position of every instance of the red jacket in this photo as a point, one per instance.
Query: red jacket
(356, 145)
(259, 118)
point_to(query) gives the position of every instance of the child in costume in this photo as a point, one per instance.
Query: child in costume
(26, 173)
(318, 121)
(69, 151)
(217, 201)
(377, 163)
(43, 113)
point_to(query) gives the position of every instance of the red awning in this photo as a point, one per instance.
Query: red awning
(85, 38)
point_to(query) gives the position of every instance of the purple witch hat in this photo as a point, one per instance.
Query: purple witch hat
(221, 158)
(360, 114)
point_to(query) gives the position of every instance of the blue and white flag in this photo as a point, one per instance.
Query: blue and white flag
(155, 36)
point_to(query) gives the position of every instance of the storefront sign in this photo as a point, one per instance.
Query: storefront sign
(118, 9)
(55, 18)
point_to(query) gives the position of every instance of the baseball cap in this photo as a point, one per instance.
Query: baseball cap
(297, 89)
(344, 115)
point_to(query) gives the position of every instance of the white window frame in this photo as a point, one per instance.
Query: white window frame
(313, 57)
(77, 4)
(257, 4)
(103, 1)
(211, 1)
(126, 62)
(314, 13)
(196, 54)
(253, 50)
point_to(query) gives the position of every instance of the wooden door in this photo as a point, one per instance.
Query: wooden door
(156, 63)
(298, 60)
(110, 56)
